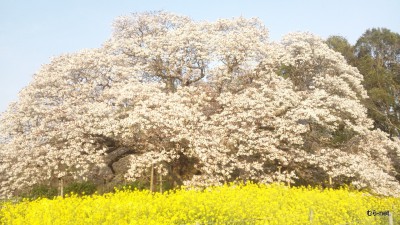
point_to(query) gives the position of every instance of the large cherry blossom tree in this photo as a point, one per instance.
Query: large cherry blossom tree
(201, 103)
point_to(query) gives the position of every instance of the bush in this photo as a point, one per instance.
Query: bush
(138, 185)
(144, 185)
(81, 188)
(41, 191)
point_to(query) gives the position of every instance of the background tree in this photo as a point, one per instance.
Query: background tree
(340, 44)
(376, 55)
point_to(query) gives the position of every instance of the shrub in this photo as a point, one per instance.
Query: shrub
(81, 188)
(41, 191)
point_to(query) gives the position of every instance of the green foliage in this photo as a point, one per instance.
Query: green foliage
(145, 185)
(134, 185)
(376, 52)
(81, 188)
(381, 44)
(285, 71)
(342, 136)
(41, 191)
(340, 44)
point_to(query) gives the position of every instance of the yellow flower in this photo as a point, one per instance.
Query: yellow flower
(229, 204)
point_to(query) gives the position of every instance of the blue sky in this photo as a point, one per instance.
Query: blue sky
(31, 32)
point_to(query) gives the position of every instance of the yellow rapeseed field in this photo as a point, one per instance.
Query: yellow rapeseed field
(228, 204)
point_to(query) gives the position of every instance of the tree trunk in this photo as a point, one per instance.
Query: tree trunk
(170, 85)
(161, 189)
(61, 184)
(152, 178)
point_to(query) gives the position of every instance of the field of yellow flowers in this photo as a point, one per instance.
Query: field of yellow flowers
(228, 204)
